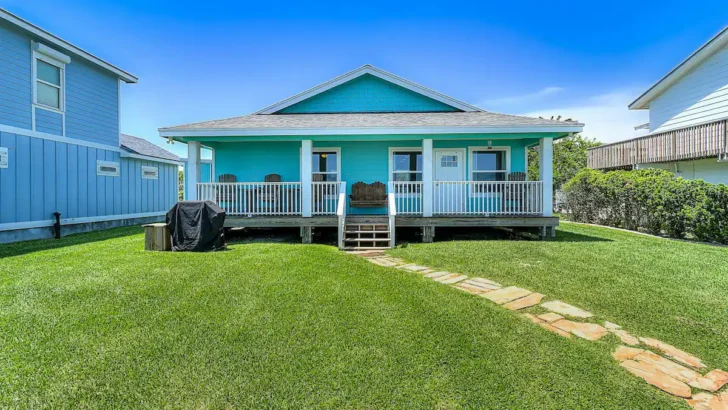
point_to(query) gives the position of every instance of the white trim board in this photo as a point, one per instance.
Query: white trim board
(125, 154)
(14, 226)
(244, 132)
(57, 138)
(37, 31)
(368, 69)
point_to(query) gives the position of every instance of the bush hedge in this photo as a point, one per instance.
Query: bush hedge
(652, 200)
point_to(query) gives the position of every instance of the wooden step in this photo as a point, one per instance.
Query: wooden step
(374, 232)
(366, 239)
(367, 248)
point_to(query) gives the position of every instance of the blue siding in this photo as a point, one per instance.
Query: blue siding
(48, 121)
(367, 93)
(92, 103)
(91, 93)
(15, 82)
(46, 176)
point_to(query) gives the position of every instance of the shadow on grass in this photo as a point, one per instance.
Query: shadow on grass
(467, 234)
(22, 248)
(562, 236)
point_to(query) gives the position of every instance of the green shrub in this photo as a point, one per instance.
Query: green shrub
(650, 199)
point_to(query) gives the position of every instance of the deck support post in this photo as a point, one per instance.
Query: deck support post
(428, 234)
(193, 169)
(427, 178)
(307, 234)
(306, 176)
(546, 173)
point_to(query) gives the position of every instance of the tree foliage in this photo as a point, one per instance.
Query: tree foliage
(569, 158)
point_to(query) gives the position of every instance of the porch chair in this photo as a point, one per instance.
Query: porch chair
(515, 193)
(271, 195)
(365, 195)
(229, 194)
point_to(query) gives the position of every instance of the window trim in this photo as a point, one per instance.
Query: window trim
(337, 150)
(102, 163)
(390, 175)
(148, 168)
(471, 152)
(36, 55)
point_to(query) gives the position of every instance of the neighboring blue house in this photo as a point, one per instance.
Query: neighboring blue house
(369, 151)
(60, 143)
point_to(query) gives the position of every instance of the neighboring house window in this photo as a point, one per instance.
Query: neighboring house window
(488, 165)
(407, 166)
(325, 166)
(49, 82)
(107, 168)
(150, 172)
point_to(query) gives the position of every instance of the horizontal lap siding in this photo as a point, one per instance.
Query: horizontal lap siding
(252, 161)
(92, 104)
(699, 97)
(46, 176)
(15, 80)
(49, 122)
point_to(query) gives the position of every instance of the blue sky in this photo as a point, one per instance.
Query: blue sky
(204, 60)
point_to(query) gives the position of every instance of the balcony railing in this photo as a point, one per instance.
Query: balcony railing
(253, 198)
(471, 198)
(700, 141)
(325, 197)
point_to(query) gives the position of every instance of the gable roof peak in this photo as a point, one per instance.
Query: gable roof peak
(377, 72)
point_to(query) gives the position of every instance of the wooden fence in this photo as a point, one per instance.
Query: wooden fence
(700, 141)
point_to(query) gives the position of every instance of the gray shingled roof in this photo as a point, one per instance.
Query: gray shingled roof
(140, 146)
(384, 120)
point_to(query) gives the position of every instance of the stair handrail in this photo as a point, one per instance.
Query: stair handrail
(341, 212)
(391, 211)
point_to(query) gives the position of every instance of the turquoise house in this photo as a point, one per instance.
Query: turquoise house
(61, 149)
(368, 152)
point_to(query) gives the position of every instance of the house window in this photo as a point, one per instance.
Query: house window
(325, 165)
(407, 166)
(489, 165)
(150, 172)
(49, 82)
(449, 161)
(107, 168)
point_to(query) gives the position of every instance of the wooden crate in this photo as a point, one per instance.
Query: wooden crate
(156, 237)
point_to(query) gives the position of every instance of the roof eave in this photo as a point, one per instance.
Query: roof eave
(240, 132)
(707, 50)
(37, 31)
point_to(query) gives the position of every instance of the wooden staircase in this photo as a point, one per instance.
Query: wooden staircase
(363, 233)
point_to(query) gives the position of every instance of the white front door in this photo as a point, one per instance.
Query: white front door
(449, 193)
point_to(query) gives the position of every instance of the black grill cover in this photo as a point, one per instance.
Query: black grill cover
(196, 226)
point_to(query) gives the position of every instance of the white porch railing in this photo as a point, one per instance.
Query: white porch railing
(407, 197)
(253, 198)
(341, 213)
(325, 197)
(496, 198)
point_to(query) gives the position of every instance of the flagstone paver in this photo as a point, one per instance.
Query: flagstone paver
(673, 352)
(588, 331)
(712, 381)
(506, 295)
(657, 378)
(522, 303)
(550, 317)
(449, 281)
(625, 353)
(707, 401)
(663, 373)
(566, 309)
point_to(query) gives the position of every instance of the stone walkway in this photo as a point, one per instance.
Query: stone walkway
(672, 370)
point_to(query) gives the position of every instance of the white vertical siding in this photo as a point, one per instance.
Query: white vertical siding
(699, 97)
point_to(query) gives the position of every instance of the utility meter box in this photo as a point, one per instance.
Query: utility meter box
(3, 157)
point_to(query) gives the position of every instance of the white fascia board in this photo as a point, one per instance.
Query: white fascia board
(37, 31)
(125, 154)
(695, 59)
(57, 138)
(368, 69)
(243, 132)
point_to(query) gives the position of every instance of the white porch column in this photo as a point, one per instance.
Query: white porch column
(546, 173)
(193, 169)
(427, 177)
(306, 168)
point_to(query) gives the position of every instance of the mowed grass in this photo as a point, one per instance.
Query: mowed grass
(93, 321)
(671, 290)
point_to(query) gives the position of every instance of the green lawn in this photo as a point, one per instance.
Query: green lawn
(671, 290)
(93, 321)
